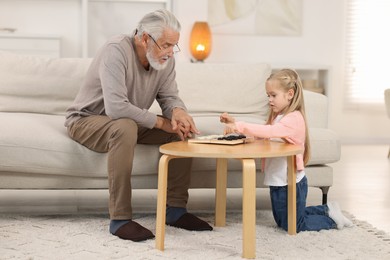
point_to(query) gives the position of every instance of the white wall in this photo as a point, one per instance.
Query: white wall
(47, 17)
(321, 44)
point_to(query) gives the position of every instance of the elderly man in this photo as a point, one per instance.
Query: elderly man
(110, 114)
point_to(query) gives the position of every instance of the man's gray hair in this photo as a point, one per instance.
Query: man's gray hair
(156, 22)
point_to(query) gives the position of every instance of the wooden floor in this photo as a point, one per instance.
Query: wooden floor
(361, 187)
(362, 184)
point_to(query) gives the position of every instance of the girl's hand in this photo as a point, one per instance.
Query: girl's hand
(226, 118)
(230, 128)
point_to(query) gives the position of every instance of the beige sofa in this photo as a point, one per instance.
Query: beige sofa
(36, 152)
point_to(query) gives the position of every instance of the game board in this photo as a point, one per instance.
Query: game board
(229, 139)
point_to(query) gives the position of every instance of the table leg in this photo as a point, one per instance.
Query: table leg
(292, 195)
(249, 208)
(220, 193)
(161, 200)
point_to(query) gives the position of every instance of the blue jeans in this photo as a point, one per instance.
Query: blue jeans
(313, 218)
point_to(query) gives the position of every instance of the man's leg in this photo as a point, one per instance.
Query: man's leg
(118, 138)
(178, 183)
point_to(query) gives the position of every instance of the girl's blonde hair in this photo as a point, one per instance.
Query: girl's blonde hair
(289, 79)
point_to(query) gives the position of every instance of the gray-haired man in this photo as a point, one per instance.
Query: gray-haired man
(110, 114)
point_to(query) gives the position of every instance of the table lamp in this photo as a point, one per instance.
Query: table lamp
(200, 41)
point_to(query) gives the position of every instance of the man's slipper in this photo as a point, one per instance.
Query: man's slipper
(134, 232)
(192, 223)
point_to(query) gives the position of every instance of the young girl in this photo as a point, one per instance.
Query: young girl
(287, 123)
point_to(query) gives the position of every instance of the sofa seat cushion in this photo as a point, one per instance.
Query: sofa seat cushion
(38, 143)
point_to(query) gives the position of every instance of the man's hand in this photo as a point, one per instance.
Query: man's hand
(164, 124)
(183, 123)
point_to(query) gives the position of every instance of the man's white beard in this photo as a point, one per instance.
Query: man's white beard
(154, 62)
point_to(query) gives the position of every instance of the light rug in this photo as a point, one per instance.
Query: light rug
(87, 237)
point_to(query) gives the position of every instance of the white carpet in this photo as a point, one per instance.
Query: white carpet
(87, 237)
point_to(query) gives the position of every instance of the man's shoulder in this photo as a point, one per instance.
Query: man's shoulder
(118, 46)
(122, 41)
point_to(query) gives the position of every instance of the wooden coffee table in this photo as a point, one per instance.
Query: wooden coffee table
(247, 153)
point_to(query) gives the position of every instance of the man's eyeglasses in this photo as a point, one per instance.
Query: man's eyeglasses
(175, 48)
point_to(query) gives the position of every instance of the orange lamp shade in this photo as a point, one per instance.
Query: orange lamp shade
(200, 41)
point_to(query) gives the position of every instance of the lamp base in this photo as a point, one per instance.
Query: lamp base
(196, 61)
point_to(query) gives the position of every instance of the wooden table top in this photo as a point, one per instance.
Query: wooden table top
(256, 149)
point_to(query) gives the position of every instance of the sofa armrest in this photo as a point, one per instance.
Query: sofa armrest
(316, 107)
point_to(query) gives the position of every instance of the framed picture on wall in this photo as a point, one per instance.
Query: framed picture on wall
(256, 17)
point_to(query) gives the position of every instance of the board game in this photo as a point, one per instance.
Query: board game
(229, 139)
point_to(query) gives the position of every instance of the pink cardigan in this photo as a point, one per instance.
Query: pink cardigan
(291, 128)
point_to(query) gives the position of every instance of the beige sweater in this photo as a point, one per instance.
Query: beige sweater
(117, 85)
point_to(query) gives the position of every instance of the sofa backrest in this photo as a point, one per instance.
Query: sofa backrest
(39, 84)
(34, 84)
(237, 88)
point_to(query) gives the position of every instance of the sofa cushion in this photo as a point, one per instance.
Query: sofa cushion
(212, 87)
(37, 84)
(38, 143)
(209, 124)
